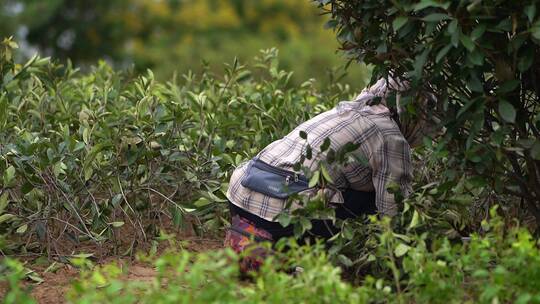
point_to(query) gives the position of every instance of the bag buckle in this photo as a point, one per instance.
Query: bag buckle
(288, 179)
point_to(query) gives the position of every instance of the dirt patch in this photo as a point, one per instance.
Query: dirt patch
(55, 285)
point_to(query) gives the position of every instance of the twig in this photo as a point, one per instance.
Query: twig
(170, 201)
(129, 205)
(72, 207)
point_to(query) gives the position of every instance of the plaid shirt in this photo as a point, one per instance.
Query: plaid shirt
(381, 144)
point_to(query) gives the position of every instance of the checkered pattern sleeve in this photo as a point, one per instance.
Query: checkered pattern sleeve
(391, 164)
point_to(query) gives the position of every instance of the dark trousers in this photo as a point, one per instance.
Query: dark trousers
(356, 203)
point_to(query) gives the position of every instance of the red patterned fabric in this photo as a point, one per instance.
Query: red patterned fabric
(243, 236)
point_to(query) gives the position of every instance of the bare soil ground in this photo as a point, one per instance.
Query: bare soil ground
(55, 284)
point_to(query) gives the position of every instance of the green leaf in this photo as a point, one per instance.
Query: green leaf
(325, 145)
(284, 219)
(88, 172)
(462, 199)
(6, 217)
(9, 176)
(505, 25)
(401, 250)
(526, 60)
(475, 84)
(86, 135)
(177, 216)
(478, 32)
(430, 3)
(309, 152)
(117, 224)
(36, 278)
(243, 76)
(476, 57)
(306, 224)
(507, 111)
(443, 52)
(87, 166)
(508, 86)
(466, 107)
(536, 31)
(79, 146)
(83, 255)
(345, 260)
(314, 180)
(399, 22)
(467, 42)
(4, 200)
(325, 174)
(303, 134)
(201, 202)
(22, 229)
(414, 220)
(402, 237)
(436, 17)
(524, 298)
(453, 26)
(530, 12)
(419, 62)
(348, 232)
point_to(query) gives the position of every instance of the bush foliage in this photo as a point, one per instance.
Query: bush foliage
(85, 156)
(501, 266)
(480, 58)
(96, 156)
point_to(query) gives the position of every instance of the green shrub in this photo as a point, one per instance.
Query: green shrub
(480, 59)
(214, 277)
(499, 267)
(84, 156)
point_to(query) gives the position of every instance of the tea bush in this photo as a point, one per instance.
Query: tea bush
(90, 156)
(502, 266)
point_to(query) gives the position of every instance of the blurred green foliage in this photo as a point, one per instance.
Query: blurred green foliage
(176, 36)
(501, 266)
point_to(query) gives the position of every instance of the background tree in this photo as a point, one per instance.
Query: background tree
(481, 60)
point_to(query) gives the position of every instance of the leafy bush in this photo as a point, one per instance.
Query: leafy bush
(214, 277)
(92, 156)
(500, 267)
(480, 59)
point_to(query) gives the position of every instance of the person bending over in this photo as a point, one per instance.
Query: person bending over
(258, 190)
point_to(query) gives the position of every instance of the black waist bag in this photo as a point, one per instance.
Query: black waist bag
(271, 181)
